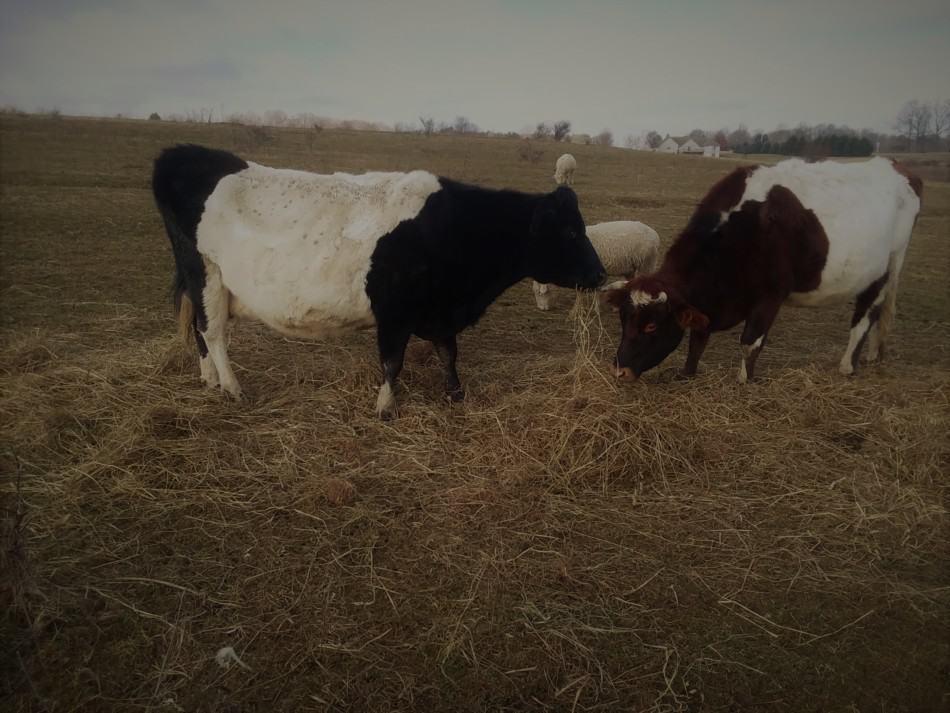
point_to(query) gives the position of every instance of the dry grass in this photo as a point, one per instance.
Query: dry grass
(557, 542)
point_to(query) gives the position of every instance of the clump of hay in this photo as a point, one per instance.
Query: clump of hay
(558, 537)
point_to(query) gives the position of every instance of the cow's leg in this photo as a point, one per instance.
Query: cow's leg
(867, 311)
(697, 345)
(215, 299)
(757, 326)
(879, 330)
(448, 351)
(209, 374)
(392, 348)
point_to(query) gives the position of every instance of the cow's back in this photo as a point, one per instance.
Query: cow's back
(862, 208)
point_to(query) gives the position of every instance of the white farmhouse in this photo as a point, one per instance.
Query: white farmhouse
(669, 145)
(690, 146)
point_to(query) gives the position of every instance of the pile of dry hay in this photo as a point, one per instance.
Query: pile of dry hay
(558, 541)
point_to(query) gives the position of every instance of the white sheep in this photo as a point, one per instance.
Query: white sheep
(625, 247)
(564, 170)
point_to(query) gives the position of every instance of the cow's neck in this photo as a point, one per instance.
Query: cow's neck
(688, 269)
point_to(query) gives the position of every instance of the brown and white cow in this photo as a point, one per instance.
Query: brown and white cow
(796, 232)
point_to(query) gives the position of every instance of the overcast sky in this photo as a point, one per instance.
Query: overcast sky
(630, 66)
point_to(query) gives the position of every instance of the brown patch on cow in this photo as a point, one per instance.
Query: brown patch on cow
(916, 183)
(726, 192)
(783, 214)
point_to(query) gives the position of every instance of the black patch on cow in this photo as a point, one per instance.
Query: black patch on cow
(183, 178)
(436, 273)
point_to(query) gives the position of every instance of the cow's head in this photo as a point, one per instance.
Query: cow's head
(559, 250)
(653, 318)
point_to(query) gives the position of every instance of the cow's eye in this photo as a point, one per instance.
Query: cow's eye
(651, 327)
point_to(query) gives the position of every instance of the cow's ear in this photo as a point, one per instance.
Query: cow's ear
(691, 318)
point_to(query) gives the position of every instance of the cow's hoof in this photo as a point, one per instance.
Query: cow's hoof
(386, 403)
(456, 395)
(846, 368)
(234, 393)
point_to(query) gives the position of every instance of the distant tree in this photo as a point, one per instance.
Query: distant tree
(428, 125)
(543, 130)
(604, 138)
(940, 111)
(154, 116)
(699, 136)
(721, 139)
(913, 121)
(633, 142)
(561, 129)
(740, 137)
(779, 135)
(275, 117)
(654, 139)
(462, 125)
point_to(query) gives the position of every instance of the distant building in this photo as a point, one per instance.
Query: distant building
(669, 145)
(580, 138)
(684, 144)
(690, 146)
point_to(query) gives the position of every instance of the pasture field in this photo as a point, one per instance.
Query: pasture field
(559, 542)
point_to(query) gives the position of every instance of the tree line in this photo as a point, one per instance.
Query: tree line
(919, 126)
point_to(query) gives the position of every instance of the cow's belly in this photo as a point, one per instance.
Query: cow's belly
(849, 270)
(300, 319)
(301, 293)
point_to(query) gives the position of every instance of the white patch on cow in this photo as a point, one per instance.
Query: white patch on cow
(749, 349)
(294, 248)
(641, 298)
(216, 301)
(867, 210)
(858, 332)
(616, 285)
(385, 401)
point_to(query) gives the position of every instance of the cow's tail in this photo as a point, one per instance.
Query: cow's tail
(184, 307)
(182, 180)
(185, 252)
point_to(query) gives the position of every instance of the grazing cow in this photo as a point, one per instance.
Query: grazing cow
(625, 247)
(564, 170)
(310, 255)
(795, 232)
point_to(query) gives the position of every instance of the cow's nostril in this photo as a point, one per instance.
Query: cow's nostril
(624, 373)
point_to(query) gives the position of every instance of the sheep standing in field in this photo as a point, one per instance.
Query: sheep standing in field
(564, 170)
(625, 248)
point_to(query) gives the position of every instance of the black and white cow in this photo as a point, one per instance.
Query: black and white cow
(311, 255)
